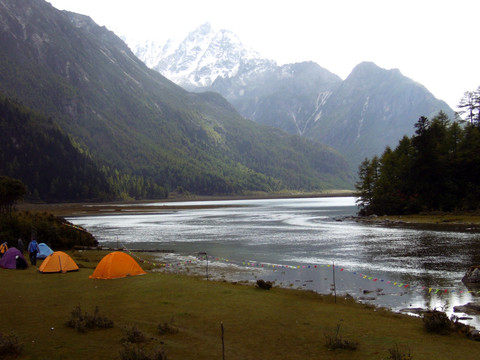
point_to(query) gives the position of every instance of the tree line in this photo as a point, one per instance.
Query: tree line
(14, 225)
(436, 169)
(56, 169)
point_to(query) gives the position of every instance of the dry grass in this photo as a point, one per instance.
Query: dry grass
(439, 218)
(468, 222)
(275, 324)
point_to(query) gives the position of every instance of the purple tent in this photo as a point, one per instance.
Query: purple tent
(9, 259)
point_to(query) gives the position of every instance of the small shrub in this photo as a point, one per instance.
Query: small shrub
(83, 321)
(437, 322)
(76, 320)
(100, 321)
(134, 336)
(459, 327)
(262, 284)
(9, 346)
(397, 354)
(333, 342)
(167, 328)
(135, 352)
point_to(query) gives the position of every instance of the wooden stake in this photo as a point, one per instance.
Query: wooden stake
(334, 284)
(223, 341)
(206, 257)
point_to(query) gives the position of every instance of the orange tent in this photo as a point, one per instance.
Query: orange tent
(58, 262)
(116, 265)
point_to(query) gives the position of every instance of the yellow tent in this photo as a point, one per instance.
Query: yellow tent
(58, 262)
(116, 265)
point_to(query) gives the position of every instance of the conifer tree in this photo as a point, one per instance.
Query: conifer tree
(438, 168)
(11, 190)
(470, 106)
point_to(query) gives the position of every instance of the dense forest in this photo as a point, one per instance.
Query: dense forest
(436, 169)
(54, 169)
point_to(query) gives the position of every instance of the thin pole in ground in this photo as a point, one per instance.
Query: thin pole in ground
(206, 258)
(223, 341)
(334, 284)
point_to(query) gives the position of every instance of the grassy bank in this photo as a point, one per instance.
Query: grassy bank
(466, 221)
(439, 218)
(258, 324)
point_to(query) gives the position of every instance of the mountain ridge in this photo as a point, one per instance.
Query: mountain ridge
(312, 103)
(375, 101)
(135, 120)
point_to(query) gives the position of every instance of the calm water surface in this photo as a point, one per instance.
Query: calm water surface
(373, 263)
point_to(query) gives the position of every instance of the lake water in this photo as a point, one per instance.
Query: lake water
(296, 242)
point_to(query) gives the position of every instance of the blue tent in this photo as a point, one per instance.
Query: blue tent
(44, 251)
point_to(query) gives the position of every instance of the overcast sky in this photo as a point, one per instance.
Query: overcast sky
(432, 42)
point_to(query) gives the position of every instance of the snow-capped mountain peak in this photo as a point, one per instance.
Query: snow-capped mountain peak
(151, 52)
(203, 56)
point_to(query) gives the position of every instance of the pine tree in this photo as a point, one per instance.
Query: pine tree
(438, 168)
(365, 185)
(470, 106)
(11, 190)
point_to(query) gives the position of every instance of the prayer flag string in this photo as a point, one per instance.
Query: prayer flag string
(255, 264)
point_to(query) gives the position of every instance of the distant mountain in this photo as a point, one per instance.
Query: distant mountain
(289, 97)
(135, 120)
(202, 57)
(359, 116)
(373, 108)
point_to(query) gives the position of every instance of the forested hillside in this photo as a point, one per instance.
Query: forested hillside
(35, 150)
(134, 120)
(438, 168)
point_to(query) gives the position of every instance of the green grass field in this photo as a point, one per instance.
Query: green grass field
(258, 324)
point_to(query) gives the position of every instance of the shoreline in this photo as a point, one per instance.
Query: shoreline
(276, 324)
(139, 207)
(397, 300)
(437, 221)
(463, 222)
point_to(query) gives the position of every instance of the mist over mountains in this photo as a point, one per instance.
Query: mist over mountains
(137, 123)
(358, 116)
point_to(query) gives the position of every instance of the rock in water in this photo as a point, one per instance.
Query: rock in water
(470, 308)
(472, 276)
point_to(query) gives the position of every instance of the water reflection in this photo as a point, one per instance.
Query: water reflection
(306, 232)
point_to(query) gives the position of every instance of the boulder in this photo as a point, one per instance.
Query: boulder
(265, 285)
(472, 276)
(470, 308)
(414, 310)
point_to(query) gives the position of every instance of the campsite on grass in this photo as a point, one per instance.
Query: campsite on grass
(13, 259)
(43, 251)
(181, 316)
(58, 262)
(116, 265)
